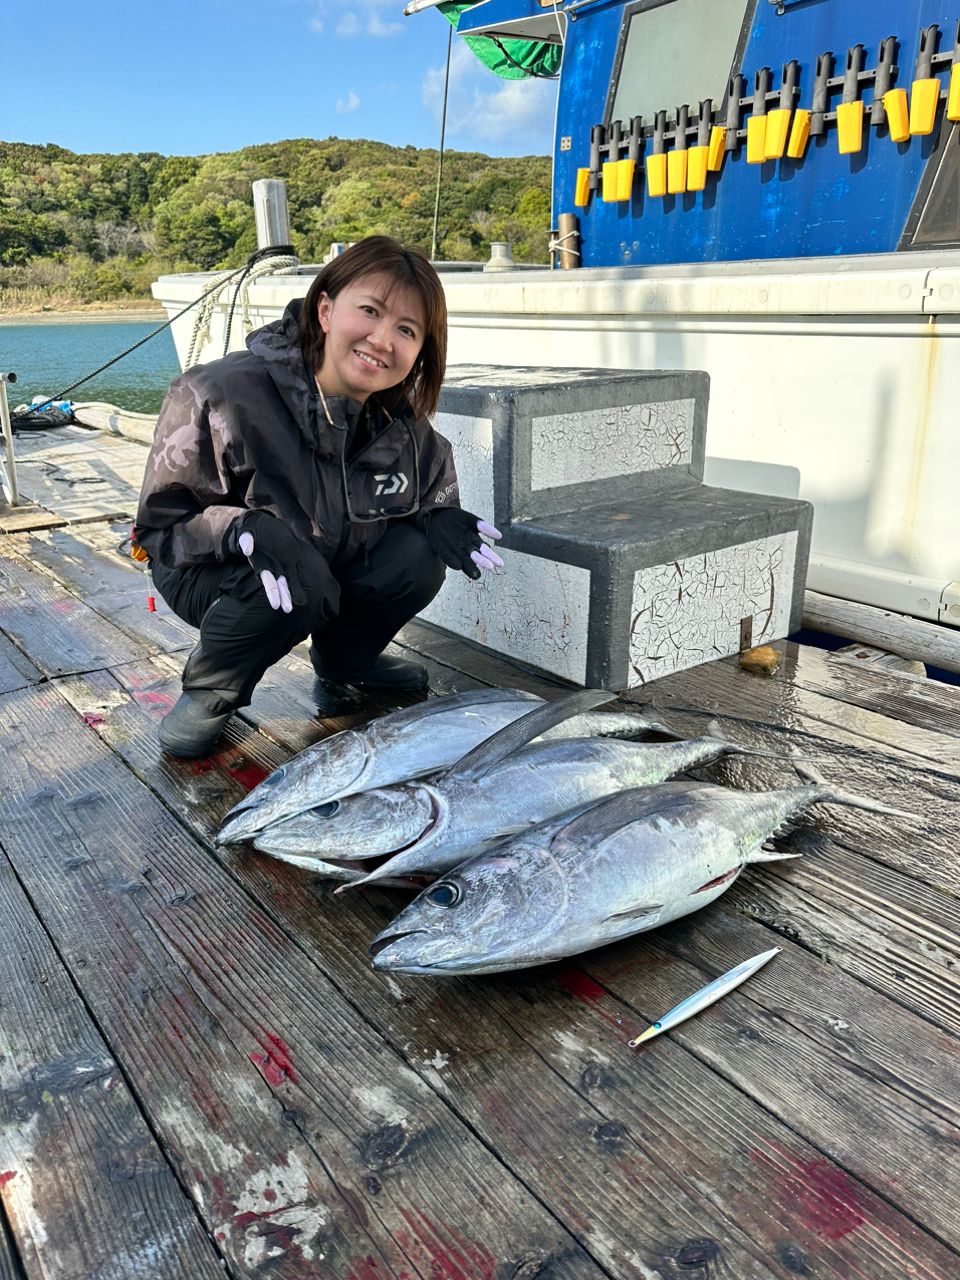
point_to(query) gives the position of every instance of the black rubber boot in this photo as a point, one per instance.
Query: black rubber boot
(393, 674)
(194, 724)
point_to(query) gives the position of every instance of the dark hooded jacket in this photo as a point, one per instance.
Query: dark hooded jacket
(248, 433)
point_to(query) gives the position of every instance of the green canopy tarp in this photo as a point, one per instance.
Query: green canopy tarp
(509, 58)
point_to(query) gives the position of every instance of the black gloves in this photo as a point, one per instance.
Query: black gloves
(454, 536)
(274, 554)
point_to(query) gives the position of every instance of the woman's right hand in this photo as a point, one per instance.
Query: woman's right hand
(275, 555)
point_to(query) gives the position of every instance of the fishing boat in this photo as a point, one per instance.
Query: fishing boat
(773, 198)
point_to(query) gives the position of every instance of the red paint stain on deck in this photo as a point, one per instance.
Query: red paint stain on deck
(6, 1176)
(270, 1195)
(827, 1200)
(248, 774)
(583, 988)
(65, 606)
(451, 1255)
(200, 766)
(274, 1065)
(152, 700)
(93, 718)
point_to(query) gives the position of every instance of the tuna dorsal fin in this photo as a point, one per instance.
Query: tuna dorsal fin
(505, 741)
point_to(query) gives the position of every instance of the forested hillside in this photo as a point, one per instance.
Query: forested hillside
(78, 229)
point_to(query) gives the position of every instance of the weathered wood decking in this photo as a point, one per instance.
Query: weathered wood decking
(202, 1075)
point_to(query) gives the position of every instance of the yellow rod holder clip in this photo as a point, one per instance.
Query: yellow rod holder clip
(850, 110)
(656, 162)
(698, 157)
(757, 121)
(925, 94)
(778, 120)
(953, 94)
(628, 167)
(611, 164)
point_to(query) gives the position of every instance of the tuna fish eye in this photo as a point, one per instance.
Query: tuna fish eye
(444, 894)
(328, 810)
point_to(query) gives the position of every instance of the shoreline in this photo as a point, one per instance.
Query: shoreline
(112, 316)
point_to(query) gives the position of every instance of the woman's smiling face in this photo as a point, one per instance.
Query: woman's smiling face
(374, 332)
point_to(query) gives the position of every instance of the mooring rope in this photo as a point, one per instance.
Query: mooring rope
(275, 260)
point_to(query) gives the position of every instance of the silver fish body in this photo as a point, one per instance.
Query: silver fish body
(392, 748)
(431, 825)
(618, 867)
(405, 744)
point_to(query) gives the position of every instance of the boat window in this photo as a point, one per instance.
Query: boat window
(662, 64)
(940, 220)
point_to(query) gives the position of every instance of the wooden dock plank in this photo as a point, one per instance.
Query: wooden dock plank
(900, 937)
(929, 704)
(84, 560)
(502, 1093)
(9, 1263)
(868, 1082)
(58, 631)
(324, 1158)
(82, 1180)
(77, 475)
(758, 713)
(16, 669)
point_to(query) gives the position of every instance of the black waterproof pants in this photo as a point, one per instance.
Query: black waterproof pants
(352, 612)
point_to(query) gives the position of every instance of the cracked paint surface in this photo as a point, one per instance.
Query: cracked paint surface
(597, 444)
(689, 611)
(535, 610)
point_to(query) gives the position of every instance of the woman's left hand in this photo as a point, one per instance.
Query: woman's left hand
(455, 536)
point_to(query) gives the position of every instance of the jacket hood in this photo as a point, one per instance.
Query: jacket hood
(277, 347)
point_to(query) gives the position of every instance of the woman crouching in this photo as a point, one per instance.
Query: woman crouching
(298, 489)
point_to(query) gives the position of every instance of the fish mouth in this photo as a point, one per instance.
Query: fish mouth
(388, 939)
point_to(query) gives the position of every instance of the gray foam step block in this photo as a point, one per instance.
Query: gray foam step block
(680, 579)
(552, 440)
(620, 595)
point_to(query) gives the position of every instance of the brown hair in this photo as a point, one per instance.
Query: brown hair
(407, 269)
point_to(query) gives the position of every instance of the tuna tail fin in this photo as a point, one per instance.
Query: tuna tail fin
(735, 749)
(505, 741)
(836, 795)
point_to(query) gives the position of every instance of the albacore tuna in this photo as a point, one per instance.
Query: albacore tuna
(626, 864)
(405, 744)
(492, 794)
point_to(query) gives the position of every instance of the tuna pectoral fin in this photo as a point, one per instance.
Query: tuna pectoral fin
(637, 912)
(503, 743)
(769, 853)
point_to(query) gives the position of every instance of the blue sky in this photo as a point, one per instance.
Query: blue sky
(188, 77)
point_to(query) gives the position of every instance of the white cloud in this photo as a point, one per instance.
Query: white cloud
(365, 18)
(377, 27)
(349, 25)
(350, 103)
(484, 110)
(316, 25)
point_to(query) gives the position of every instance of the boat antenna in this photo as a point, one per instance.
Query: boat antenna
(443, 130)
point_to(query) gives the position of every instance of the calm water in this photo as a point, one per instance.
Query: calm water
(49, 357)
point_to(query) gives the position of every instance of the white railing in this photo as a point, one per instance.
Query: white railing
(8, 464)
